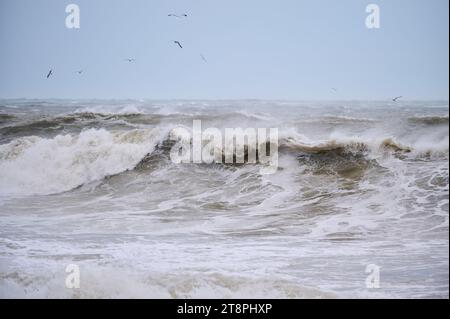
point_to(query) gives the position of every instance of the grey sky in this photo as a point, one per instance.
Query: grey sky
(266, 49)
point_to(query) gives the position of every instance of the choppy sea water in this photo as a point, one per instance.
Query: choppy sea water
(91, 183)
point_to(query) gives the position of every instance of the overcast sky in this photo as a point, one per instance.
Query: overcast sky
(265, 49)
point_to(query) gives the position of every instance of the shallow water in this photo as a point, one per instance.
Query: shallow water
(91, 183)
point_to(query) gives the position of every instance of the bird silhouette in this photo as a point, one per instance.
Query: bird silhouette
(178, 16)
(178, 43)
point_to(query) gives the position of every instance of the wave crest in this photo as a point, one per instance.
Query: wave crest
(34, 165)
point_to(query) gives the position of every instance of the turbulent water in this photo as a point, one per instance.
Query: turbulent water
(91, 183)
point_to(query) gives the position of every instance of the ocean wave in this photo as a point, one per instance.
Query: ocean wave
(34, 165)
(362, 152)
(44, 125)
(4, 118)
(346, 159)
(339, 120)
(350, 146)
(429, 120)
(94, 118)
(37, 165)
(103, 281)
(256, 116)
(47, 126)
(353, 157)
(110, 110)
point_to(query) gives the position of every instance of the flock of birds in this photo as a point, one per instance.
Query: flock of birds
(131, 60)
(178, 43)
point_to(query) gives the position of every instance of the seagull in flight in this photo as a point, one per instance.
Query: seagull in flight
(130, 60)
(334, 90)
(178, 43)
(178, 16)
(396, 98)
(203, 58)
(80, 72)
(50, 73)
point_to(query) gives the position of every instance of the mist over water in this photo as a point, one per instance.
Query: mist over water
(91, 183)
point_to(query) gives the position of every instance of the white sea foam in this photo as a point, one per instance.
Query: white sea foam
(111, 109)
(33, 165)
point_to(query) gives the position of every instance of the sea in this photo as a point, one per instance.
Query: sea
(358, 206)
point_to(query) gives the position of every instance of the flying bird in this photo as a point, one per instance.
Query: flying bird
(203, 58)
(178, 16)
(178, 43)
(50, 73)
(80, 72)
(130, 60)
(334, 90)
(396, 98)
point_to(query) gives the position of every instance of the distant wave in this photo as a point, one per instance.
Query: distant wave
(5, 118)
(339, 120)
(46, 126)
(111, 110)
(103, 118)
(429, 120)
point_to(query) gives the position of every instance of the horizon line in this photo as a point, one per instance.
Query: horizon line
(226, 99)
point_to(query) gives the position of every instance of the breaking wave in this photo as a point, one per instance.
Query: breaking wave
(36, 165)
(350, 146)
